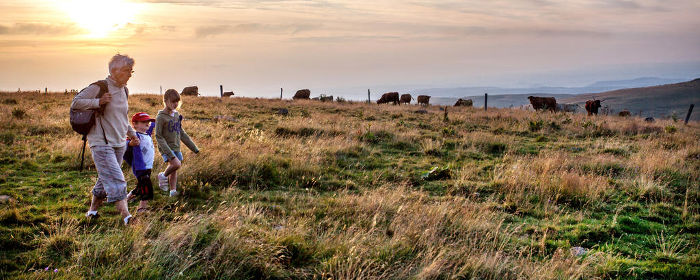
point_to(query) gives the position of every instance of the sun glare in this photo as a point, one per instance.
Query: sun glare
(100, 17)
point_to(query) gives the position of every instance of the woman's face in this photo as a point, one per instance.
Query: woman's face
(122, 75)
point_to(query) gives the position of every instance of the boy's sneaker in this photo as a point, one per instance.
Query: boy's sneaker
(162, 182)
(173, 193)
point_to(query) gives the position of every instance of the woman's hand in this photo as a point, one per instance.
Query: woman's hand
(134, 140)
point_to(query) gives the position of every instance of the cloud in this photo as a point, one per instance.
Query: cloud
(259, 4)
(214, 30)
(530, 31)
(634, 5)
(39, 29)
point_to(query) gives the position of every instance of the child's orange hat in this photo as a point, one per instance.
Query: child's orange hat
(141, 117)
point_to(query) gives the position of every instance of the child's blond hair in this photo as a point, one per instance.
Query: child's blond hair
(172, 95)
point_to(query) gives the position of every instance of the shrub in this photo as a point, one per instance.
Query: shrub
(536, 125)
(19, 113)
(494, 148)
(670, 129)
(10, 101)
(7, 138)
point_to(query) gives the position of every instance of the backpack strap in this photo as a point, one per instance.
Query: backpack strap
(103, 89)
(126, 89)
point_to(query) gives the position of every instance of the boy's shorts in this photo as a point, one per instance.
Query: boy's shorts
(178, 155)
(144, 187)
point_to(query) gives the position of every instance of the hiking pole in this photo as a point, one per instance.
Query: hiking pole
(82, 154)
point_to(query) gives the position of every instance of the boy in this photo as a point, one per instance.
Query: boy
(140, 157)
(169, 133)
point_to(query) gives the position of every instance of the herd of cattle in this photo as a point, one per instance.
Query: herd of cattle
(550, 103)
(537, 103)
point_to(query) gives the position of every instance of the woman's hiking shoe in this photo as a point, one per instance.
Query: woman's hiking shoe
(92, 216)
(173, 193)
(162, 182)
(127, 220)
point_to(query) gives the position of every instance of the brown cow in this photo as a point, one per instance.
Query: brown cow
(227, 94)
(543, 103)
(193, 90)
(624, 113)
(302, 94)
(405, 98)
(464, 102)
(592, 106)
(389, 97)
(423, 100)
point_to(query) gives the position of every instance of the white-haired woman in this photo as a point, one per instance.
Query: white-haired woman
(106, 138)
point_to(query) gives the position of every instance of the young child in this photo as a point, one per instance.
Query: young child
(140, 157)
(169, 133)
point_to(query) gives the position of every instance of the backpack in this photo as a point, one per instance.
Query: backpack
(82, 121)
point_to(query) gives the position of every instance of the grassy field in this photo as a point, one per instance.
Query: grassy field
(344, 191)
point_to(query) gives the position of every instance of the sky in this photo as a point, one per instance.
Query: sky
(254, 48)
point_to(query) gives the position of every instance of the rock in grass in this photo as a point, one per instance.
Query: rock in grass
(225, 118)
(578, 251)
(437, 173)
(422, 111)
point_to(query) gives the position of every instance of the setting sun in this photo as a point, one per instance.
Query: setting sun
(100, 17)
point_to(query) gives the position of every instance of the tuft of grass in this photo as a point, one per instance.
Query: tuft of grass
(19, 113)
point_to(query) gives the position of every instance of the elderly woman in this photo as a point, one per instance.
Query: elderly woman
(106, 138)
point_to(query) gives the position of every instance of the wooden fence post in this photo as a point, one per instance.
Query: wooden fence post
(221, 90)
(281, 93)
(486, 101)
(690, 111)
(46, 90)
(161, 90)
(368, 101)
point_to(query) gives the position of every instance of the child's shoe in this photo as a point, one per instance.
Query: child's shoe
(162, 182)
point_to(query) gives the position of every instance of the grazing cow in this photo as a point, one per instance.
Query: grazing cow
(389, 97)
(424, 100)
(405, 98)
(228, 93)
(193, 91)
(592, 106)
(464, 102)
(302, 94)
(624, 113)
(325, 98)
(543, 103)
(567, 107)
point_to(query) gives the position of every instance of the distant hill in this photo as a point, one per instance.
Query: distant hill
(635, 83)
(657, 101)
(600, 86)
